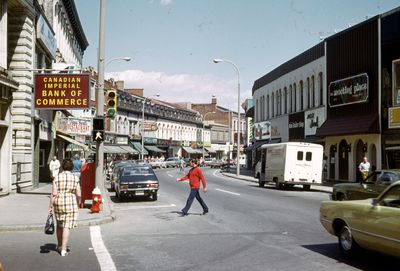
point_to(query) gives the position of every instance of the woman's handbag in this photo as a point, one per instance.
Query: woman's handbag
(49, 227)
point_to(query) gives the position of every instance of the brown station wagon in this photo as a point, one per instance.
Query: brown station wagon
(371, 187)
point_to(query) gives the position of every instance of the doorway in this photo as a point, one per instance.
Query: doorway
(344, 149)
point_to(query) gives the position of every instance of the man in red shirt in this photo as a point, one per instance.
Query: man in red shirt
(195, 175)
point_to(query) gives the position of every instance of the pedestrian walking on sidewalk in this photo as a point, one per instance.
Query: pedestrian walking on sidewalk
(64, 202)
(77, 166)
(195, 175)
(364, 168)
(54, 167)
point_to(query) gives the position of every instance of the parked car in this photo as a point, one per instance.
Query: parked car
(157, 163)
(218, 163)
(115, 168)
(371, 187)
(136, 180)
(371, 223)
(207, 161)
(173, 162)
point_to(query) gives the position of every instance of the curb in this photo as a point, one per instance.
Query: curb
(253, 180)
(107, 218)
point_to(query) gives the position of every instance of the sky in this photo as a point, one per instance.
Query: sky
(172, 43)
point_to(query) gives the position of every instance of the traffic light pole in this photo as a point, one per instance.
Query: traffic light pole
(100, 96)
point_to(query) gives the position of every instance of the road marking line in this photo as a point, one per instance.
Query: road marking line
(233, 193)
(105, 261)
(143, 207)
(170, 175)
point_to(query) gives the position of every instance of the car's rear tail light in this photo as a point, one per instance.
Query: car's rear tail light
(155, 185)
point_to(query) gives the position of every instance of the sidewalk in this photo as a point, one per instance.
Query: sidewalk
(28, 210)
(247, 175)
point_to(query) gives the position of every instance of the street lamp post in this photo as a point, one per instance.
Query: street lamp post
(143, 103)
(125, 58)
(100, 93)
(217, 60)
(204, 119)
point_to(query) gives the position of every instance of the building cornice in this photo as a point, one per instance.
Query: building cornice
(76, 23)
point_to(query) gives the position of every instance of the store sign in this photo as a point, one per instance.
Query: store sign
(62, 91)
(46, 36)
(150, 126)
(122, 140)
(350, 90)
(75, 126)
(394, 117)
(262, 130)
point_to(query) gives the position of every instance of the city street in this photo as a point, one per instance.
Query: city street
(248, 228)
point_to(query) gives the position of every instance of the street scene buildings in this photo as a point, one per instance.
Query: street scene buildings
(341, 93)
(327, 119)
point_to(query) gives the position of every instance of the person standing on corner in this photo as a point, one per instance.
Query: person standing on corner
(195, 175)
(64, 201)
(364, 168)
(54, 167)
(77, 166)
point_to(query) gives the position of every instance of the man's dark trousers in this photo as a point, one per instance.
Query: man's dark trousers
(194, 193)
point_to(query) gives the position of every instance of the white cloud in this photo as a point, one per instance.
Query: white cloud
(165, 2)
(181, 87)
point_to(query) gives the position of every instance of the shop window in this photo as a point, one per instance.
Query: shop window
(396, 83)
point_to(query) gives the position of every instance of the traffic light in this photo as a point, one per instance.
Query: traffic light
(98, 129)
(111, 103)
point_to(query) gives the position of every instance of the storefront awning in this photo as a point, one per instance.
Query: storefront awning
(153, 148)
(190, 150)
(129, 149)
(257, 144)
(138, 147)
(210, 150)
(119, 149)
(349, 125)
(73, 141)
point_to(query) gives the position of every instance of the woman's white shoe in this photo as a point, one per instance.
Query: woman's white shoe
(64, 253)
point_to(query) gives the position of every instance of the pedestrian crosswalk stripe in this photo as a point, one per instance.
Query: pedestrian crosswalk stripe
(105, 261)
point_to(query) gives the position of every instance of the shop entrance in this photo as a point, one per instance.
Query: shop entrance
(344, 160)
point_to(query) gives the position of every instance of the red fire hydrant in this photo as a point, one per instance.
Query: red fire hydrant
(96, 200)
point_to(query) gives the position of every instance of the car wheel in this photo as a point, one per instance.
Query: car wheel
(278, 185)
(340, 196)
(261, 183)
(306, 187)
(347, 244)
(154, 196)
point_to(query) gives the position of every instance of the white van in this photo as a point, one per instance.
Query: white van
(289, 164)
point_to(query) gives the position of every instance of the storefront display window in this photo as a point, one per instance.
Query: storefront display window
(396, 83)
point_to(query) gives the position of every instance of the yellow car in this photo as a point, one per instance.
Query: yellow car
(373, 224)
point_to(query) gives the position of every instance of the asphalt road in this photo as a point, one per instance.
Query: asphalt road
(248, 228)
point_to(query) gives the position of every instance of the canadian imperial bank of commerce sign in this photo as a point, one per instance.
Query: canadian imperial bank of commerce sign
(350, 90)
(62, 91)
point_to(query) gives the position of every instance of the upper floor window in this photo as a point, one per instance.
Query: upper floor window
(308, 93)
(273, 105)
(291, 99)
(268, 107)
(285, 99)
(312, 91)
(321, 88)
(301, 96)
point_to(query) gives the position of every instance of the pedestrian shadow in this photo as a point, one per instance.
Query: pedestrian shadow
(189, 214)
(364, 260)
(47, 248)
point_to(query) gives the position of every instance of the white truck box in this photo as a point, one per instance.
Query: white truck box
(290, 163)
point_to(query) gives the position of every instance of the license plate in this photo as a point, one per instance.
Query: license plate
(139, 193)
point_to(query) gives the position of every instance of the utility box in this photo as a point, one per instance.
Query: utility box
(88, 175)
